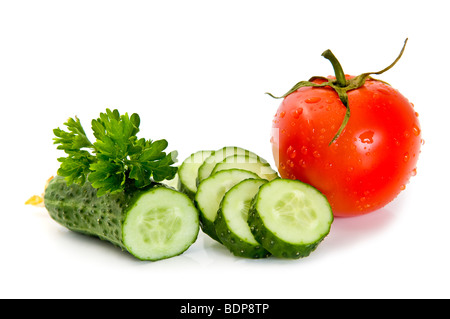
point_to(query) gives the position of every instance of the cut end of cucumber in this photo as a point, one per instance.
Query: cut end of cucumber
(290, 218)
(162, 223)
(188, 172)
(210, 193)
(218, 156)
(298, 213)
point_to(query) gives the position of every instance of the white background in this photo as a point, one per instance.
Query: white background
(196, 72)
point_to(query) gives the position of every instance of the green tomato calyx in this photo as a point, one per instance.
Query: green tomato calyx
(340, 85)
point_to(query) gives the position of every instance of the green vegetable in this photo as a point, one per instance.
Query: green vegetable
(231, 222)
(188, 172)
(109, 189)
(254, 213)
(289, 218)
(152, 223)
(250, 163)
(218, 156)
(116, 158)
(210, 193)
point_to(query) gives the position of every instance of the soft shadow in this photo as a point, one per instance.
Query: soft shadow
(347, 231)
(213, 248)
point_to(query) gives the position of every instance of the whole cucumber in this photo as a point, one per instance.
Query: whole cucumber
(152, 223)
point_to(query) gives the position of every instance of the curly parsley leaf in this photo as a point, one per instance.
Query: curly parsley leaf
(75, 167)
(117, 158)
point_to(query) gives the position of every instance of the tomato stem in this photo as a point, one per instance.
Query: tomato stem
(341, 85)
(338, 71)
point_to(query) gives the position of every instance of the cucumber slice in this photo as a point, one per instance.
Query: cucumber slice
(188, 172)
(231, 222)
(248, 163)
(152, 223)
(163, 223)
(290, 218)
(210, 193)
(208, 165)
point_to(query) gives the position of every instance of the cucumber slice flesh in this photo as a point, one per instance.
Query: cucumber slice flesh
(161, 224)
(210, 193)
(208, 165)
(188, 172)
(248, 163)
(290, 218)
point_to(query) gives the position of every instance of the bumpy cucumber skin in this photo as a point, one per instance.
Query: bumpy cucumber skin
(207, 226)
(79, 209)
(235, 244)
(276, 246)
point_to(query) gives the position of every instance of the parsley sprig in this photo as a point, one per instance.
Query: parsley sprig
(117, 157)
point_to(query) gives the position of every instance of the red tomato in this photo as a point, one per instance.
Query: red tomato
(372, 160)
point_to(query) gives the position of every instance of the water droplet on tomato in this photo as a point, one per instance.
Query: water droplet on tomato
(282, 166)
(402, 187)
(416, 131)
(290, 163)
(383, 91)
(316, 154)
(422, 141)
(416, 114)
(297, 112)
(406, 157)
(291, 152)
(414, 172)
(312, 100)
(282, 114)
(406, 134)
(302, 163)
(366, 137)
(304, 150)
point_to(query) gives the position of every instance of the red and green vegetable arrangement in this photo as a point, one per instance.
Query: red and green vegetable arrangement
(343, 146)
